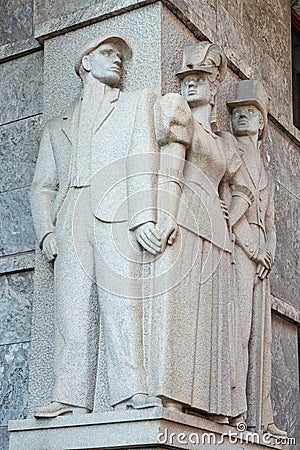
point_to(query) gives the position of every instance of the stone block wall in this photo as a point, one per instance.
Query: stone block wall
(20, 129)
(37, 83)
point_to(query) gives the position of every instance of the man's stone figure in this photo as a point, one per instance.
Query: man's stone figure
(255, 236)
(91, 232)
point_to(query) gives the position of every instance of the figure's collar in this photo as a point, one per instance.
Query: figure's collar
(92, 92)
(245, 143)
(206, 129)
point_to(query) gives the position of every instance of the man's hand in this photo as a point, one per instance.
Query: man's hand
(264, 262)
(149, 238)
(167, 226)
(49, 247)
(264, 257)
(262, 271)
(224, 209)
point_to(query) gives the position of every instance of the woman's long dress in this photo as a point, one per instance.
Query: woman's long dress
(192, 350)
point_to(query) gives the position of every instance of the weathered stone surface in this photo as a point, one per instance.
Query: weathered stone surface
(14, 381)
(285, 309)
(226, 93)
(282, 158)
(16, 20)
(9, 51)
(234, 8)
(19, 144)
(296, 6)
(285, 350)
(205, 9)
(260, 21)
(16, 262)
(174, 38)
(4, 438)
(43, 11)
(258, 51)
(285, 274)
(21, 87)
(285, 401)
(202, 20)
(285, 375)
(53, 20)
(239, 51)
(16, 293)
(280, 8)
(17, 234)
(255, 53)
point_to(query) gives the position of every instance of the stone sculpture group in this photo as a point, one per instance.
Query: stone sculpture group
(128, 180)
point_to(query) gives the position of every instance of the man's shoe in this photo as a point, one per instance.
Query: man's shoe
(223, 420)
(172, 405)
(238, 422)
(138, 401)
(274, 431)
(53, 410)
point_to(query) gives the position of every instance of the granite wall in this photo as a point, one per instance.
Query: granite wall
(255, 35)
(20, 129)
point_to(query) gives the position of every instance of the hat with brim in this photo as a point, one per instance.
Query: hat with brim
(115, 39)
(199, 58)
(251, 92)
(193, 69)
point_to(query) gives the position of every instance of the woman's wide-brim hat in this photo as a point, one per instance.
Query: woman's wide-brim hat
(115, 39)
(203, 57)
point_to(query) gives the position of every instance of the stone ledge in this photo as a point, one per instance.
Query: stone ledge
(285, 309)
(155, 428)
(101, 11)
(19, 48)
(288, 129)
(17, 262)
(85, 16)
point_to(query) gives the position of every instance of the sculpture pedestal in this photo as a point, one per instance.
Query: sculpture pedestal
(154, 428)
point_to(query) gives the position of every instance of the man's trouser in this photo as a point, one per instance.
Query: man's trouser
(93, 254)
(255, 337)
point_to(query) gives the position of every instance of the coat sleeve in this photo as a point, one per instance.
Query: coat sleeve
(270, 222)
(142, 164)
(174, 131)
(235, 170)
(244, 238)
(44, 188)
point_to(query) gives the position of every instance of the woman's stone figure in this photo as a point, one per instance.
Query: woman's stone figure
(194, 341)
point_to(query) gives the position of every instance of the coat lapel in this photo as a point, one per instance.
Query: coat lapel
(250, 164)
(264, 179)
(70, 120)
(107, 107)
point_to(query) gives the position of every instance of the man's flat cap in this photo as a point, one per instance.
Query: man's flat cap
(115, 39)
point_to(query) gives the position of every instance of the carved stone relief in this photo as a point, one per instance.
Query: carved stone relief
(128, 179)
